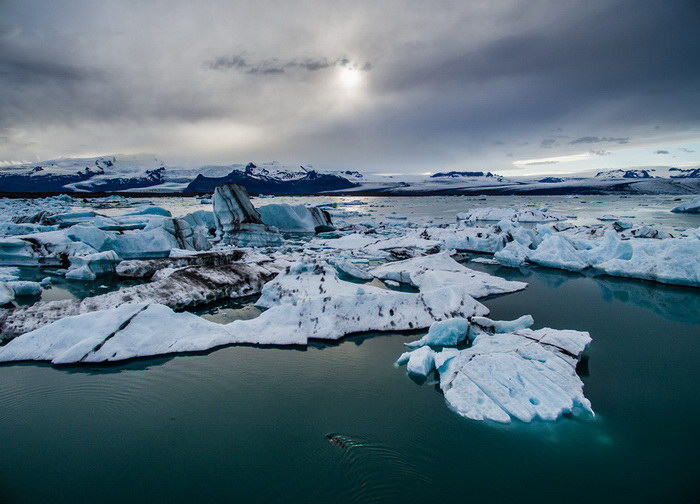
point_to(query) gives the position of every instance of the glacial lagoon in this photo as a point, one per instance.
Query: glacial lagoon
(338, 422)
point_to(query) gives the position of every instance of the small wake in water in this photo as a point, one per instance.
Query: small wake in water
(375, 472)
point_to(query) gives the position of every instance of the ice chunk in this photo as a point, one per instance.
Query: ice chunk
(421, 362)
(525, 375)
(436, 270)
(557, 252)
(485, 260)
(446, 332)
(690, 206)
(89, 267)
(673, 261)
(346, 267)
(150, 210)
(296, 218)
(513, 255)
(504, 326)
(7, 294)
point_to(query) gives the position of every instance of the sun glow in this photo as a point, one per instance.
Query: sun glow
(350, 77)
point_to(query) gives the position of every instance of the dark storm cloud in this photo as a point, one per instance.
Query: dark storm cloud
(595, 139)
(275, 66)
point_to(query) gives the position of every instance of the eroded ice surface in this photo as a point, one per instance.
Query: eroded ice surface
(509, 371)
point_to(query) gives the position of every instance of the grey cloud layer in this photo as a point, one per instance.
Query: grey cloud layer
(451, 82)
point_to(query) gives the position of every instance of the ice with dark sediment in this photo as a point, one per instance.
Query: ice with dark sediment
(237, 220)
(177, 288)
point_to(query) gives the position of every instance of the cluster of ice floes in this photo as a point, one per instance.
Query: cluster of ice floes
(508, 371)
(305, 301)
(149, 232)
(642, 252)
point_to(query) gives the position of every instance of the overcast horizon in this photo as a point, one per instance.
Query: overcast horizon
(396, 87)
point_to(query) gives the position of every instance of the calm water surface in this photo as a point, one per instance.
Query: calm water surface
(249, 424)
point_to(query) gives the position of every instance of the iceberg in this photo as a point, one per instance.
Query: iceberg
(509, 371)
(89, 267)
(296, 218)
(690, 206)
(524, 375)
(237, 220)
(512, 255)
(7, 294)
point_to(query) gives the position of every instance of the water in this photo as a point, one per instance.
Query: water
(251, 424)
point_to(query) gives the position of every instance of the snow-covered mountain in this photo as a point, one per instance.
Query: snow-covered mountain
(147, 173)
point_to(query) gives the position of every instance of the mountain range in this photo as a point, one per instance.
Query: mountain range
(148, 174)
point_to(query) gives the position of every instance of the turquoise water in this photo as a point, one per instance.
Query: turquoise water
(249, 424)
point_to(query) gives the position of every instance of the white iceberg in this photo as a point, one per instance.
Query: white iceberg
(523, 375)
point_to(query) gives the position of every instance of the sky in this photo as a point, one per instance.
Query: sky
(410, 86)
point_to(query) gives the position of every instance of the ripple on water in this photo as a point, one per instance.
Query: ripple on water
(375, 472)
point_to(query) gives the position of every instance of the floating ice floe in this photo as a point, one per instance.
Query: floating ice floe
(512, 214)
(690, 206)
(296, 218)
(508, 372)
(138, 330)
(13, 288)
(436, 270)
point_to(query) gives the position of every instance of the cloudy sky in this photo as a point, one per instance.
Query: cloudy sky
(516, 87)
